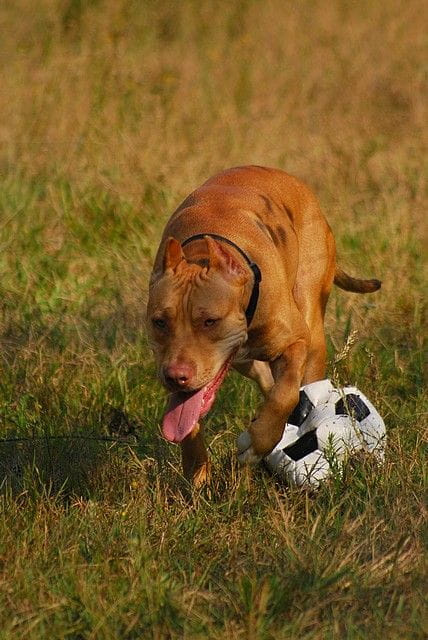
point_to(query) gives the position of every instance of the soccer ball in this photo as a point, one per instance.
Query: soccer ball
(327, 426)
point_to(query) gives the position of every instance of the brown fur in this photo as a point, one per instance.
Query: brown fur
(276, 220)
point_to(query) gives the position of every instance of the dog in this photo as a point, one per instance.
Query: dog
(241, 279)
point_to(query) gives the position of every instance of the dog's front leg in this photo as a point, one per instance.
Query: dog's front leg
(194, 457)
(266, 430)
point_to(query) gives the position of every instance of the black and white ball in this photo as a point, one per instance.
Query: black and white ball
(327, 426)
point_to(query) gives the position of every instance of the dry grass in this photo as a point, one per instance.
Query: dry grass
(111, 112)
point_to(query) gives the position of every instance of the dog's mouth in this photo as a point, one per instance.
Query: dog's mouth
(184, 410)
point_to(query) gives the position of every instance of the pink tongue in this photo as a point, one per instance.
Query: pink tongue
(182, 413)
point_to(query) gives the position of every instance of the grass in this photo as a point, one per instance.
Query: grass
(111, 113)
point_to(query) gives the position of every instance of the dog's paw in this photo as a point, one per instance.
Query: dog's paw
(201, 476)
(246, 453)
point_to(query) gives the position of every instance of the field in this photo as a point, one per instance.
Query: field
(111, 112)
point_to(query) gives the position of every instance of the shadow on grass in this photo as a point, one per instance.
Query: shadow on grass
(80, 464)
(67, 465)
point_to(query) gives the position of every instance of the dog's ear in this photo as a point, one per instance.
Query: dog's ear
(173, 254)
(222, 260)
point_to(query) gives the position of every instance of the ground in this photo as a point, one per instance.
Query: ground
(112, 111)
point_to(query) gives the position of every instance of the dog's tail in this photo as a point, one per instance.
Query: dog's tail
(342, 280)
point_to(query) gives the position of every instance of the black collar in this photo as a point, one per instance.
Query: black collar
(252, 303)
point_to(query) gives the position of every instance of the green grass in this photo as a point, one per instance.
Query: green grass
(111, 113)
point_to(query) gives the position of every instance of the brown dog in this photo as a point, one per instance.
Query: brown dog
(241, 278)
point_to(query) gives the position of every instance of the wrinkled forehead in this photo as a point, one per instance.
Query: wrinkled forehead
(211, 294)
(215, 297)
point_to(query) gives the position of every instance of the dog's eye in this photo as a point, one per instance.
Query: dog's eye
(159, 323)
(209, 322)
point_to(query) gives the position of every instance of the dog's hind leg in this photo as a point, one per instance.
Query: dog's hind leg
(311, 292)
(317, 354)
(258, 371)
(317, 357)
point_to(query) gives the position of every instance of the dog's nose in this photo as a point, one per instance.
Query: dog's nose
(178, 374)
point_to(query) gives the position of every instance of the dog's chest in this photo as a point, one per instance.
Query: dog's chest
(262, 344)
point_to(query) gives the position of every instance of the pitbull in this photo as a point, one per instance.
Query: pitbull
(241, 279)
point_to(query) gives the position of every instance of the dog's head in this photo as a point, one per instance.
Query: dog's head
(195, 315)
(196, 321)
